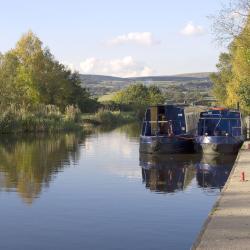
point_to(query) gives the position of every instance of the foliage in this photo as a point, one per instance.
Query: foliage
(109, 118)
(138, 96)
(29, 75)
(72, 113)
(221, 79)
(230, 21)
(39, 118)
(232, 82)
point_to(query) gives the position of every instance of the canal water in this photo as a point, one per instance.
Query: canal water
(76, 191)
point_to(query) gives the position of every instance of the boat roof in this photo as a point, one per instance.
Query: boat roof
(220, 113)
(187, 108)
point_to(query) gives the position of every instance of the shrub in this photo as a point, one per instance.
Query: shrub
(39, 118)
(72, 113)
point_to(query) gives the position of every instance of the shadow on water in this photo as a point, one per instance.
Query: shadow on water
(172, 173)
(28, 164)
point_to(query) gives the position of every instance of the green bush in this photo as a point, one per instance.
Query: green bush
(111, 118)
(40, 118)
(72, 113)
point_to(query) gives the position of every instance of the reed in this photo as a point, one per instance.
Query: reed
(109, 118)
(39, 118)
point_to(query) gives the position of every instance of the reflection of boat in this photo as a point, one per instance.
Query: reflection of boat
(219, 131)
(213, 172)
(168, 129)
(166, 173)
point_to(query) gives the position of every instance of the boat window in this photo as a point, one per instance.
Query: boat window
(219, 127)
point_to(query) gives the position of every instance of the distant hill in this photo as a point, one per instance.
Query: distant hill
(101, 84)
(196, 75)
(100, 78)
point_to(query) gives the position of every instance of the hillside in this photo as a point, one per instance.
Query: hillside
(99, 84)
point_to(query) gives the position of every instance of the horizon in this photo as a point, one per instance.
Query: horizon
(181, 74)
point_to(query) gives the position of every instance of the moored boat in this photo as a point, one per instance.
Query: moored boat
(168, 129)
(220, 131)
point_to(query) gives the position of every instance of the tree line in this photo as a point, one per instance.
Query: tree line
(30, 75)
(231, 84)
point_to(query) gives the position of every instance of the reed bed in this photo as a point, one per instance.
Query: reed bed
(39, 118)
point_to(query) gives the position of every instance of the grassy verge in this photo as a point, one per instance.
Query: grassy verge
(48, 118)
(41, 118)
(108, 118)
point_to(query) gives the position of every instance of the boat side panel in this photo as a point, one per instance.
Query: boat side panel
(218, 144)
(166, 145)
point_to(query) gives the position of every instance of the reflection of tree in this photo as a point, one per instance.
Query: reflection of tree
(213, 171)
(132, 130)
(28, 164)
(166, 173)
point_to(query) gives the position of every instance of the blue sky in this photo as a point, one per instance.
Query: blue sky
(123, 38)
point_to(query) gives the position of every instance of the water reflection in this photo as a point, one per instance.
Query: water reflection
(97, 200)
(131, 130)
(29, 164)
(171, 173)
(213, 171)
(167, 173)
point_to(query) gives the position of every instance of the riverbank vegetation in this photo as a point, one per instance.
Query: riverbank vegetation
(135, 98)
(39, 118)
(37, 92)
(232, 81)
(40, 94)
(108, 118)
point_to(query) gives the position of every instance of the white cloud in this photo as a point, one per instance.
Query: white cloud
(192, 30)
(123, 67)
(88, 65)
(69, 66)
(141, 38)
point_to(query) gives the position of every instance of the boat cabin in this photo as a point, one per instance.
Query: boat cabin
(220, 122)
(163, 120)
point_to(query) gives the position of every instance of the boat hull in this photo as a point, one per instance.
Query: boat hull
(166, 145)
(218, 144)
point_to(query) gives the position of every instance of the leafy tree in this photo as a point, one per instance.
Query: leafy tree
(222, 78)
(29, 75)
(232, 82)
(138, 96)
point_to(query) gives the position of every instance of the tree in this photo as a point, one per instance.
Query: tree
(231, 83)
(139, 96)
(30, 75)
(222, 78)
(229, 22)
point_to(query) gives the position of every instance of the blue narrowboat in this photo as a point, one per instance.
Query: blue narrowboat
(168, 129)
(220, 131)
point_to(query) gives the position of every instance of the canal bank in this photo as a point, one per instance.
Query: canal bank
(228, 224)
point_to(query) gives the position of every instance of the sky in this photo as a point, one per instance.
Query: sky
(120, 38)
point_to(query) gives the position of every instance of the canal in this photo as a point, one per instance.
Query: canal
(76, 191)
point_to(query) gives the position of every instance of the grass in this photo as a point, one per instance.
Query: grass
(41, 118)
(106, 97)
(48, 118)
(108, 118)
